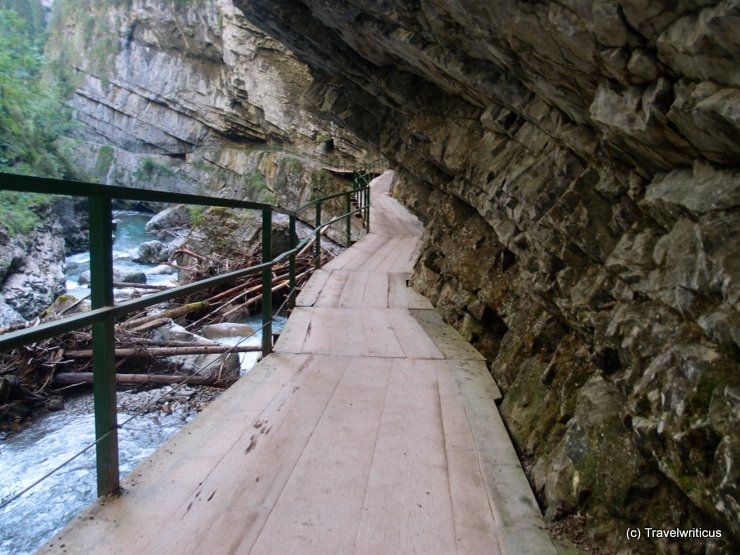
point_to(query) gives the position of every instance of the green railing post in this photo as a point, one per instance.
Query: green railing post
(317, 246)
(266, 283)
(103, 335)
(102, 317)
(293, 241)
(348, 219)
(364, 205)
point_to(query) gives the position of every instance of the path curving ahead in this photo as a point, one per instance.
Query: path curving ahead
(372, 429)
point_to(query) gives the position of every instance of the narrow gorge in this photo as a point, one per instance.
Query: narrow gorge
(576, 168)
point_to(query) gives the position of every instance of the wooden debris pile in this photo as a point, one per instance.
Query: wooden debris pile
(33, 377)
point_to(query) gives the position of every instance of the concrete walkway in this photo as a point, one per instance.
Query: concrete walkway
(372, 429)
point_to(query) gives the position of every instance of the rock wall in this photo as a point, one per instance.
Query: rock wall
(188, 97)
(32, 266)
(576, 166)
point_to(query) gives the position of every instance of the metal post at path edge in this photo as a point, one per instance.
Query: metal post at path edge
(367, 208)
(103, 336)
(317, 247)
(292, 244)
(348, 220)
(266, 283)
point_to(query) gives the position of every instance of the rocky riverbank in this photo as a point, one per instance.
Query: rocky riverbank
(32, 263)
(169, 341)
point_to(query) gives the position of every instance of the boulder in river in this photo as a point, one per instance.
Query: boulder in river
(162, 269)
(153, 252)
(198, 364)
(66, 305)
(119, 274)
(169, 221)
(130, 276)
(229, 329)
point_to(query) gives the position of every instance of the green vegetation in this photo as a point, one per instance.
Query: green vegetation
(30, 13)
(322, 182)
(196, 214)
(204, 166)
(256, 182)
(32, 115)
(257, 188)
(150, 169)
(18, 211)
(106, 155)
(93, 46)
(290, 165)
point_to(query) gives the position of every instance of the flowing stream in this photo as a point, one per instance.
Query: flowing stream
(27, 523)
(129, 234)
(25, 457)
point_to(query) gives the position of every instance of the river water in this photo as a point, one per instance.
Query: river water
(27, 523)
(130, 233)
(25, 457)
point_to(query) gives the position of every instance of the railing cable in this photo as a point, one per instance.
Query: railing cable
(102, 318)
(144, 410)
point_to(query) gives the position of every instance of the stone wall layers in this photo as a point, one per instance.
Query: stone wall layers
(576, 167)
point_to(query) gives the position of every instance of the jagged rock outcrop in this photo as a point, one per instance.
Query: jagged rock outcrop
(31, 269)
(32, 261)
(71, 212)
(576, 166)
(154, 252)
(169, 220)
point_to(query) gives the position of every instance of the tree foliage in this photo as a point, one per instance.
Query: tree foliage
(30, 12)
(32, 114)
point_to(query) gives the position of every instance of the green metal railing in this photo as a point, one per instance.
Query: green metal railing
(104, 312)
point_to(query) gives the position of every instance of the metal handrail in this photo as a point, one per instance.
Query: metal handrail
(51, 186)
(104, 312)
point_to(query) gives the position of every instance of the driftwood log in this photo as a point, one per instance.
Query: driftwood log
(127, 284)
(141, 324)
(74, 378)
(51, 365)
(192, 349)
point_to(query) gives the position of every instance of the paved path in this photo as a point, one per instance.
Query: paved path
(372, 429)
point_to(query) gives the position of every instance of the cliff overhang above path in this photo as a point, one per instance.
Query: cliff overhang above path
(575, 165)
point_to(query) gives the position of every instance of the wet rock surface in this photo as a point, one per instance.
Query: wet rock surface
(169, 221)
(153, 252)
(31, 269)
(119, 274)
(184, 401)
(575, 165)
(197, 364)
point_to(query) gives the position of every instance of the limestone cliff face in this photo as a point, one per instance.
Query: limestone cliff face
(576, 165)
(189, 96)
